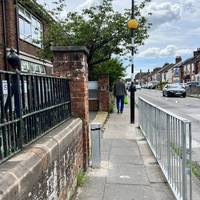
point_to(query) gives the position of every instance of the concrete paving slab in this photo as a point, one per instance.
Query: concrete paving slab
(92, 190)
(149, 160)
(128, 192)
(124, 142)
(122, 151)
(127, 174)
(104, 156)
(162, 191)
(126, 159)
(106, 145)
(144, 148)
(195, 189)
(155, 174)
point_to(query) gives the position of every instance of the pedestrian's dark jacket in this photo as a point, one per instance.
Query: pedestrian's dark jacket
(119, 88)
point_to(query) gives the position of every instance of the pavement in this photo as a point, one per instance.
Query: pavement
(128, 170)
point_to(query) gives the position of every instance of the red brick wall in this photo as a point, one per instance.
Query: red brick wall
(93, 105)
(104, 92)
(11, 32)
(49, 168)
(74, 66)
(1, 38)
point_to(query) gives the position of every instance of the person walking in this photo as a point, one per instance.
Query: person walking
(119, 91)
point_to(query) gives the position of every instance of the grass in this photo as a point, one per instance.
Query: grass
(195, 169)
(81, 178)
(177, 150)
(193, 164)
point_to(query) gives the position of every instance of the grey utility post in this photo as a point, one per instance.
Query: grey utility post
(96, 144)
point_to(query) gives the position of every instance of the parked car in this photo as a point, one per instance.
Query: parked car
(138, 87)
(193, 84)
(174, 90)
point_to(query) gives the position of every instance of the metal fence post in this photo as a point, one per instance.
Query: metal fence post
(17, 97)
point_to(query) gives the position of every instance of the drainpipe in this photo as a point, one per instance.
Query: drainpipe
(4, 33)
(17, 25)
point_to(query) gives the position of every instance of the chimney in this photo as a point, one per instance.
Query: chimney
(178, 59)
(196, 53)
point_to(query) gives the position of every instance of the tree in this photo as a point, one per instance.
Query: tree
(112, 67)
(101, 29)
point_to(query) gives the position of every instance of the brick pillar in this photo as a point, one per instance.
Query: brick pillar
(103, 82)
(71, 62)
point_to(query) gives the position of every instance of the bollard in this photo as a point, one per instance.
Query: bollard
(96, 144)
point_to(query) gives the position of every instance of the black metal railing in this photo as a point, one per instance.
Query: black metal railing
(30, 106)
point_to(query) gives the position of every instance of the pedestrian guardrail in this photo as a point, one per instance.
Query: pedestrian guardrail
(169, 137)
(30, 106)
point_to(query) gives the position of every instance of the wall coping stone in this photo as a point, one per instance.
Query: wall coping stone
(17, 173)
(71, 49)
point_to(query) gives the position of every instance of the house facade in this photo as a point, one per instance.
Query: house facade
(24, 25)
(190, 69)
(166, 73)
(176, 70)
(155, 75)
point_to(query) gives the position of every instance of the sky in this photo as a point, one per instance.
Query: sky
(175, 30)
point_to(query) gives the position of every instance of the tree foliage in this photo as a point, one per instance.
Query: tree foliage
(112, 67)
(101, 29)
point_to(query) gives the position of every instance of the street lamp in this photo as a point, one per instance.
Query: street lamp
(132, 25)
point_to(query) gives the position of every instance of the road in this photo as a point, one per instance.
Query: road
(188, 107)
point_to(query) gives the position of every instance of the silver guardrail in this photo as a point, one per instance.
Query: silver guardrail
(169, 137)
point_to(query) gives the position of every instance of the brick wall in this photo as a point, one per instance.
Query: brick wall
(71, 62)
(48, 169)
(11, 25)
(28, 48)
(93, 105)
(11, 32)
(1, 38)
(103, 92)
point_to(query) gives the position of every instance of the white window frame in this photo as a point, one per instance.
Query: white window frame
(28, 17)
(31, 67)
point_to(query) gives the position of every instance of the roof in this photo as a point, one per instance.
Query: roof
(166, 68)
(191, 60)
(142, 74)
(177, 65)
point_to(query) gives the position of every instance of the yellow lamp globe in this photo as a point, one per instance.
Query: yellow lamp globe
(133, 24)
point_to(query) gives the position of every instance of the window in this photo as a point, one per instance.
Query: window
(24, 66)
(176, 72)
(30, 28)
(32, 67)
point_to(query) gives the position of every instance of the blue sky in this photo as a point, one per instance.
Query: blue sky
(175, 30)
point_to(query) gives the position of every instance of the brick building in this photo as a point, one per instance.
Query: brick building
(23, 25)
(190, 69)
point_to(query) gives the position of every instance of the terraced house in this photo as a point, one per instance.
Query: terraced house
(23, 26)
(190, 68)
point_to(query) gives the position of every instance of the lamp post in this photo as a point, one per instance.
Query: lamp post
(132, 25)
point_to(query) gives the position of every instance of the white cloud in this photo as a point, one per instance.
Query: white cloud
(170, 50)
(90, 3)
(162, 13)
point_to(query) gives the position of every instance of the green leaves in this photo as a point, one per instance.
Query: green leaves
(113, 67)
(101, 29)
